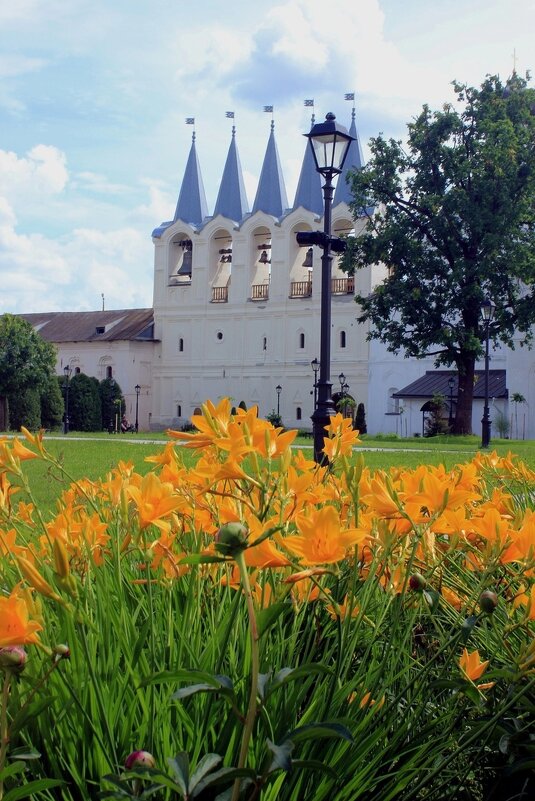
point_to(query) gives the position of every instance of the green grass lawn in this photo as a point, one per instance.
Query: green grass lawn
(93, 456)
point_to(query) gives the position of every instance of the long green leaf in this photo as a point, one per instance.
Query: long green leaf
(179, 764)
(28, 790)
(206, 765)
(314, 730)
(267, 617)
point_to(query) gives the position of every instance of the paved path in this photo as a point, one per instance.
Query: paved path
(132, 441)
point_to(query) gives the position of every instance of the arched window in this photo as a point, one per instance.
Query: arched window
(77, 371)
(181, 345)
(299, 413)
(342, 339)
(264, 343)
(109, 371)
(301, 340)
(393, 403)
(179, 411)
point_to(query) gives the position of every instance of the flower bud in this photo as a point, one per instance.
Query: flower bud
(488, 601)
(13, 657)
(61, 651)
(231, 537)
(139, 759)
(417, 582)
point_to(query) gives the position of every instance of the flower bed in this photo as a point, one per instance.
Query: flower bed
(257, 626)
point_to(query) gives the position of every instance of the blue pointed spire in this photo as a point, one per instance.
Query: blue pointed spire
(271, 193)
(354, 160)
(309, 194)
(192, 207)
(231, 199)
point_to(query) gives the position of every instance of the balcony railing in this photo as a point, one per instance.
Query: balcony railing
(342, 286)
(300, 289)
(259, 291)
(219, 294)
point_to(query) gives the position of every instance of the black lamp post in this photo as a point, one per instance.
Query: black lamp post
(330, 143)
(278, 390)
(487, 313)
(138, 390)
(315, 367)
(342, 380)
(451, 384)
(67, 374)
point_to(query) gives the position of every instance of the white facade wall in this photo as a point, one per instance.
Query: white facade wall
(243, 348)
(130, 362)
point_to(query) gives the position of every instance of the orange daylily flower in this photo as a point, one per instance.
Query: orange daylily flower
(155, 500)
(16, 628)
(210, 425)
(471, 665)
(367, 701)
(522, 547)
(344, 609)
(322, 539)
(341, 437)
(381, 501)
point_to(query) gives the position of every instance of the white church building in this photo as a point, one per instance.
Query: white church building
(236, 313)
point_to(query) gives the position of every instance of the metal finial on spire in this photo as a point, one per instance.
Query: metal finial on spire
(191, 121)
(351, 96)
(514, 61)
(310, 104)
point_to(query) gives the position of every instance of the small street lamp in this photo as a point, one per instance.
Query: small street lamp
(451, 384)
(330, 143)
(67, 373)
(138, 390)
(342, 380)
(487, 313)
(315, 367)
(278, 390)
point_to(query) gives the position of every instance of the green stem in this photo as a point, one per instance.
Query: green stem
(255, 668)
(4, 730)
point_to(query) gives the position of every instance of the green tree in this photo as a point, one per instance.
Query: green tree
(84, 403)
(25, 409)
(454, 223)
(110, 392)
(26, 363)
(52, 405)
(436, 423)
(360, 419)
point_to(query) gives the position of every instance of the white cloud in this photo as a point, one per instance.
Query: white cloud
(42, 172)
(96, 182)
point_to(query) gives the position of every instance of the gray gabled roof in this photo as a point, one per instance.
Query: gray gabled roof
(309, 194)
(354, 160)
(231, 199)
(108, 326)
(271, 193)
(435, 382)
(192, 207)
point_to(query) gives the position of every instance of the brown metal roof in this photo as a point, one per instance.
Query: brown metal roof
(121, 324)
(435, 382)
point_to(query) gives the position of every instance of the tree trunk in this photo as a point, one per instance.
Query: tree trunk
(465, 396)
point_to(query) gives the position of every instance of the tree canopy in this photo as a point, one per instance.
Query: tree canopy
(26, 359)
(454, 223)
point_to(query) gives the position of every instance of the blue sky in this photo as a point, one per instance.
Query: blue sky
(94, 96)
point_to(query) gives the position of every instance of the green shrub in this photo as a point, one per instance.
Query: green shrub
(110, 392)
(25, 409)
(84, 404)
(52, 404)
